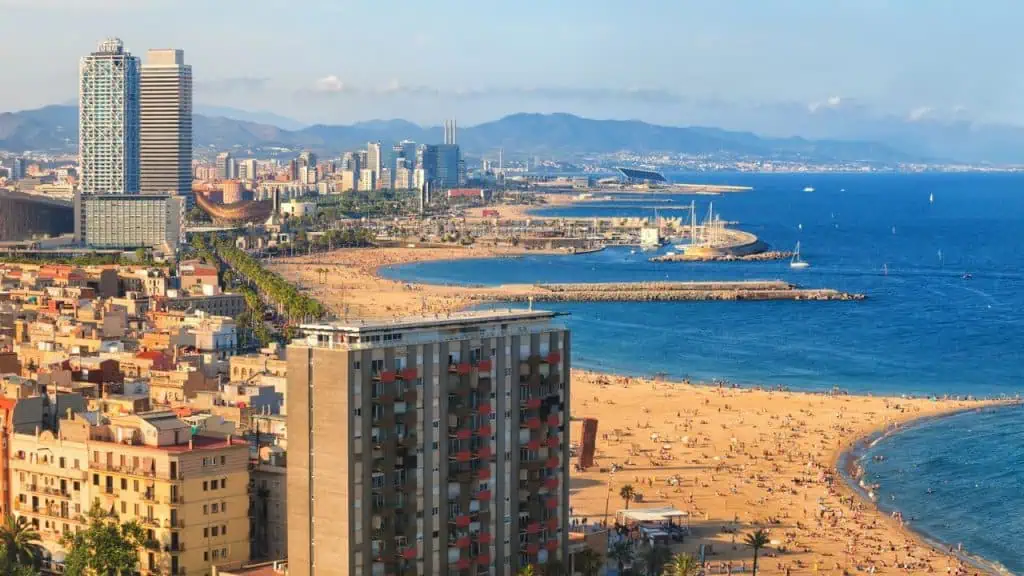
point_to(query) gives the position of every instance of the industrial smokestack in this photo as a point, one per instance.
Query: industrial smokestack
(454, 130)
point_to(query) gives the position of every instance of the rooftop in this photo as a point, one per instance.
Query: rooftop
(468, 317)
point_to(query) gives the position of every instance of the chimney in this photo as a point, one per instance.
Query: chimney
(454, 129)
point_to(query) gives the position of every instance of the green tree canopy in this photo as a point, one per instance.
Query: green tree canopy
(105, 548)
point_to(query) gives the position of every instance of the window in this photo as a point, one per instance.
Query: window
(205, 485)
(214, 508)
(214, 531)
(224, 530)
(136, 485)
(223, 460)
(223, 483)
(95, 479)
(124, 483)
(206, 556)
(355, 364)
(206, 532)
(223, 506)
(206, 509)
(223, 552)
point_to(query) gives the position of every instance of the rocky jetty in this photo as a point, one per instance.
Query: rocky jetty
(758, 257)
(670, 292)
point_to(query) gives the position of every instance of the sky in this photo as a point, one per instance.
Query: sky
(710, 62)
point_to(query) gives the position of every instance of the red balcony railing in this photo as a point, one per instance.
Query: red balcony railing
(462, 564)
(484, 366)
(483, 559)
(552, 545)
(554, 357)
(533, 528)
(464, 434)
(408, 374)
(552, 442)
(484, 495)
(483, 473)
(533, 445)
(551, 503)
(533, 423)
(464, 456)
(485, 538)
(387, 376)
(485, 452)
(551, 483)
(553, 420)
(552, 523)
(462, 542)
(462, 521)
(532, 548)
(552, 462)
(484, 430)
(533, 403)
(409, 553)
(484, 408)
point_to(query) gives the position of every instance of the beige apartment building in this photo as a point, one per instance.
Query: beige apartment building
(189, 492)
(429, 445)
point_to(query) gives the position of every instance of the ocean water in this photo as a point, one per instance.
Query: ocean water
(924, 328)
(958, 480)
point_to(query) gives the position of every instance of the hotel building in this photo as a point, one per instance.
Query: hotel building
(130, 221)
(108, 123)
(428, 445)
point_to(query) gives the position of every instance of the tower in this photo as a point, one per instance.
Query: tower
(108, 120)
(165, 124)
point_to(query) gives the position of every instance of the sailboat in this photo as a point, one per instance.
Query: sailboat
(931, 198)
(796, 262)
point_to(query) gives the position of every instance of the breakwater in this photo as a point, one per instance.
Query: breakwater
(668, 292)
(758, 257)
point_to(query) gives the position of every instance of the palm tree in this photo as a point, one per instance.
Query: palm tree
(588, 562)
(756, 540)
(20, 541)
(682, 565)
(654, 559)
(527, 571)
(627, 493)
(621, 552)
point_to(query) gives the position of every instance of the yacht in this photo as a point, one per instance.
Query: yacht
(796, 262)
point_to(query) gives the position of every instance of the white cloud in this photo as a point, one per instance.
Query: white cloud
(329, 85)
(832, 102)
(920, 113)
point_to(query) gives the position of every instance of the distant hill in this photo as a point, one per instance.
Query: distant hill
(55, 128)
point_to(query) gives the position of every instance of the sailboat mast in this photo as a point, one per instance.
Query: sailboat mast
(693, 222)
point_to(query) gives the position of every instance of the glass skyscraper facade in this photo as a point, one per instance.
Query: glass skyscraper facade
(108, 125)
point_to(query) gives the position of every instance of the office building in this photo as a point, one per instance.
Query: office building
(385, 180)
(448, 167)
(18, 169)
(374, 161)
(367, 180)
(248, 169)
(349, 180)
(165, 124)
(225, 164)
(108, 121)
(429, 446)
(130, 221)
(409, 153)
(403, 178)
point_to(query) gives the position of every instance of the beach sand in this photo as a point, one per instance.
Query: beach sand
(736, 458)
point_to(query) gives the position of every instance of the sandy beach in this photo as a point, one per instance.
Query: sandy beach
(733, 459)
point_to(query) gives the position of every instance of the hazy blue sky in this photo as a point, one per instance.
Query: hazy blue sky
(676, 61)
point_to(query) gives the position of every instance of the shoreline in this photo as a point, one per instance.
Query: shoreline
(732, 488)
(847, 464)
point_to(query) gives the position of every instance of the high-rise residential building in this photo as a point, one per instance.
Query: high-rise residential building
(409, 153)
(108, 120)
(429, 445)
(165, 124)
(349, 180)
(362, 159)
(374, 161)
(403, 178)
(226, 169)
(385, 181)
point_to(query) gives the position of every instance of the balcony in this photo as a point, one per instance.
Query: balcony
(179, 524)
(126, 470)
(461, 368)
(552, 442)
(484, 366)
(408, 374)
(484, 431)
(483, 495)
(532, 423)
(150, 522)
(386, 376)
(551, 483)
(484, 538)
(552, 463)
(532, 402)
(175, 547)
(484, 453)
(484, 408)
(554, 420)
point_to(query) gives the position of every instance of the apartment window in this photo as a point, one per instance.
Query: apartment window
(223, 483)
(224, 530)
(77, 465)
(206, 532)
(124, 483)
(214, 531)
(214, 508)
(61, 462)
(124, 507)
(223, 552)
(135, 484)
(223, 460)
(434, 511)
(355, 364)
(216, 554)
(206, 556)
(95, 479)
(205, 485)
(206, 509)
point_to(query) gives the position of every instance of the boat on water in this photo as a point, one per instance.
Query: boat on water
(967, 276)
(931, 198)
(796, 262)
(809, 189)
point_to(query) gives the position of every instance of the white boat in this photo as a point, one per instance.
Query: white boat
(796, 262)
(931, 198)
(809, 189)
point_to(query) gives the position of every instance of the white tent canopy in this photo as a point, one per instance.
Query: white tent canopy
(638, 515)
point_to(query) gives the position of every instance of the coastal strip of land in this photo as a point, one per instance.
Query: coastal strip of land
(674, 292)
(731, 458)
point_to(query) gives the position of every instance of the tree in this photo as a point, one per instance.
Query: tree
(105, 547)
(756, 540)
(654, 559)
(527, 571)
(20, 542)
(627, 493)
(588, 562)
(682, 565)
(622, 553)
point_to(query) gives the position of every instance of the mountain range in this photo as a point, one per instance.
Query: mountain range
(54, 128)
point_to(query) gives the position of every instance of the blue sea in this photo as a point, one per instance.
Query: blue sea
(944, 315)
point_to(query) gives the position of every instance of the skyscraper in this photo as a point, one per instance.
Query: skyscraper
(165, 124)
(429, 445)
(225, 166)
(108, 121)
(374, 159)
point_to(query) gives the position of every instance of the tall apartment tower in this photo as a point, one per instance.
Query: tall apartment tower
(225, 164)
(165, 124)
(108, 120)
(429, 445)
